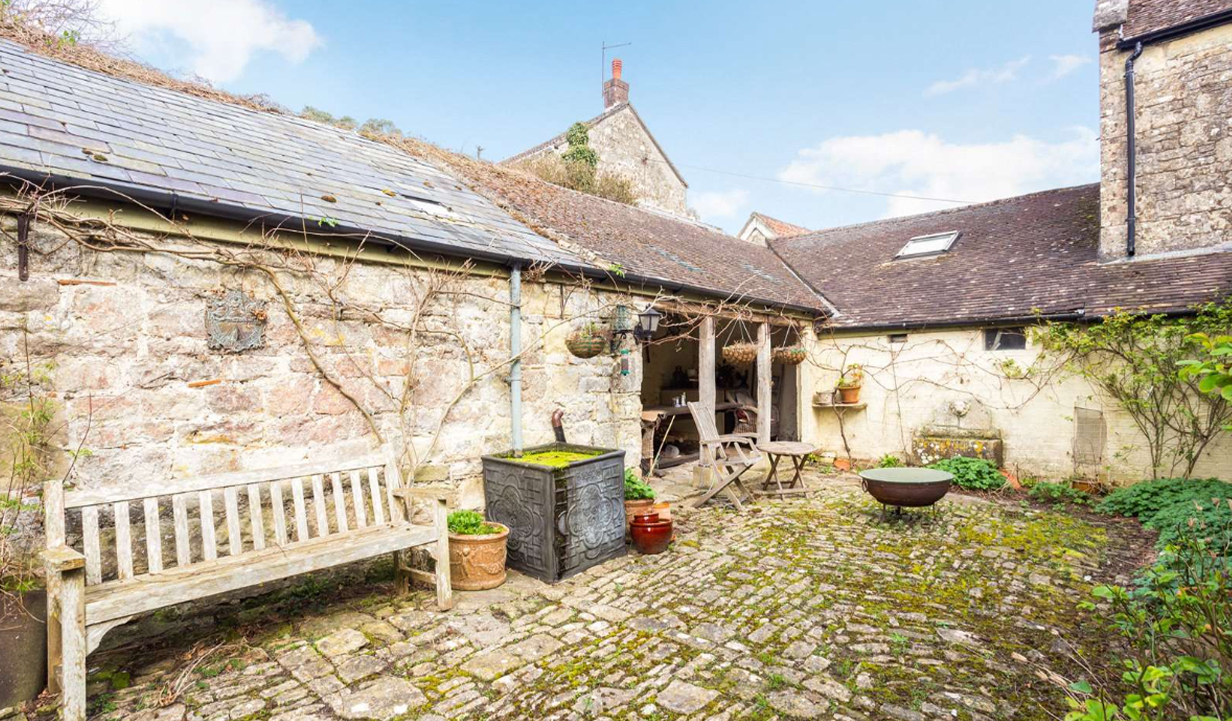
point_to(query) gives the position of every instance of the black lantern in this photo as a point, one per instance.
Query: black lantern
(647, 323)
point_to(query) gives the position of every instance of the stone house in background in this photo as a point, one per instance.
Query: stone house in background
(759, 229)
(626, 148)
(936, 306)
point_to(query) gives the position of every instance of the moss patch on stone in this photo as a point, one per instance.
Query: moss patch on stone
(552, 459)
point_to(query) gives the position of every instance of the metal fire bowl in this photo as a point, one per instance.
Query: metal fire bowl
(906, 487)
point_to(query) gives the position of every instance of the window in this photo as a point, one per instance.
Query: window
(934, 244)
(1005, 338)
(896, 338)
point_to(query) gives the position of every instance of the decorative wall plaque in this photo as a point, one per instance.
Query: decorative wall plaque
(235, 322)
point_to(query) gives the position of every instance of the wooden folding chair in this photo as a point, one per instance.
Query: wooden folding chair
(727, 456)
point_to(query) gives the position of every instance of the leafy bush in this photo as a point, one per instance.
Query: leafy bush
(1178, 624)
(974, 474)
(470, 523)
(890, 460)
(1169, 504)
(1047, 492)
(636, 489)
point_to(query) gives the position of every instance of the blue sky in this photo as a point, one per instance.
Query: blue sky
(964, 99)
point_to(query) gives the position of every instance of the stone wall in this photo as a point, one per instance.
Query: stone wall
(946, 380)
(146, 397)
(1183, 92)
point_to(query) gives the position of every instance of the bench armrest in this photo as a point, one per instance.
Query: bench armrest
(432, 493)
(59, 559)
(738, 438)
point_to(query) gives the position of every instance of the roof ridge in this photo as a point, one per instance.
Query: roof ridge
(933, 213)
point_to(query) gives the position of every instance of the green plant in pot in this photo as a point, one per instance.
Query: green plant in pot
(477, 551)
(850, 383)
(587, 341)
(639, 496)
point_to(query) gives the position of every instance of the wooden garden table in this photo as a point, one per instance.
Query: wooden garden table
(798, 453)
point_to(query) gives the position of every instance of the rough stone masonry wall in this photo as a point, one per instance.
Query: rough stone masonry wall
(911, 385)
(138, 386)
(1183, 94)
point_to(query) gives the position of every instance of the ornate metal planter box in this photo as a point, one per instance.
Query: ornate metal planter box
(562, 520)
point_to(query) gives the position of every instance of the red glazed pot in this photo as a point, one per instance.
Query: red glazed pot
(650, 535)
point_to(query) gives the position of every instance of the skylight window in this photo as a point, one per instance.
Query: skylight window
(934, 244)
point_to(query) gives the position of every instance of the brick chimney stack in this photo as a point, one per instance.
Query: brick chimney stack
(615, 91)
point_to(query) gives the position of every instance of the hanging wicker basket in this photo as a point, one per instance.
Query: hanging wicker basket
(740, 354)
(791, 355)
(585, 344)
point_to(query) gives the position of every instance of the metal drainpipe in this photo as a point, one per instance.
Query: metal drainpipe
(515, 349)
(1131, 198)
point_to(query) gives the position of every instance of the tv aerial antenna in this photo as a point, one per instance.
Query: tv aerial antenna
(603, 59)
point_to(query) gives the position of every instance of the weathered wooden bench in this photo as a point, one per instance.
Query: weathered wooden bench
(288, 530)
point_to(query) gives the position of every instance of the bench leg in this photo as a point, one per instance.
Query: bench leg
(444, 587)
(402, 575)
(72, 608)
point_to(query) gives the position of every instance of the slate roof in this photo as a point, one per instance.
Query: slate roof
(645, 243)
(1149, 16)
(558, 139)
(141, 137)
(1014, 258)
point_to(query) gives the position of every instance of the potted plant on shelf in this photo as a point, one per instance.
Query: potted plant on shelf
(849, 384)
(587, 341)
(789, 355)
(476, 551)
(740, 354)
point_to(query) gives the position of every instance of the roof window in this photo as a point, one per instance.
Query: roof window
(922, 245)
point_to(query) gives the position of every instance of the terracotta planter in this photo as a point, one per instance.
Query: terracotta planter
(477, 563)
(650, 534)
(664, 510)
(634, 508)
(1086, 486)
(849, 396)
(23, 636)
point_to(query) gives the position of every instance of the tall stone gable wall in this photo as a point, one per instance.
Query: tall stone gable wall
(1183, 94)
(140, 390)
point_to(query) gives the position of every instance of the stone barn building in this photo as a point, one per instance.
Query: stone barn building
(626, 148)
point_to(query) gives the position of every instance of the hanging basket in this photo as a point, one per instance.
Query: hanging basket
(585, 344)
(740, 354)
(791, 355)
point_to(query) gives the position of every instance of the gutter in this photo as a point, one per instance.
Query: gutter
(993, 321)
(159, 200)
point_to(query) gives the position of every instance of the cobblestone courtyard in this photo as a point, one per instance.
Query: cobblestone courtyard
(801, 609)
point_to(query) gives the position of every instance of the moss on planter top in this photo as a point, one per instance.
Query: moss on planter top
(553, 459)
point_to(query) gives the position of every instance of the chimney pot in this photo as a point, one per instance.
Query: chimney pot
(615, 90)
(616, 68)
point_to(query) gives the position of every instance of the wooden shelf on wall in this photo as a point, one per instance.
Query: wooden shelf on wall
(841, 407)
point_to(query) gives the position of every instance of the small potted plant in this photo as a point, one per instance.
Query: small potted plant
(476, 551)
(587, 341)
(639, 496)
(849, 384)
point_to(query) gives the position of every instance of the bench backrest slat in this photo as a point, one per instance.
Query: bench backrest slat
(369, 500)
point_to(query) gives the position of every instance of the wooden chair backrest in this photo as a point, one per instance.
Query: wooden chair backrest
(370, 502)
(703, 418)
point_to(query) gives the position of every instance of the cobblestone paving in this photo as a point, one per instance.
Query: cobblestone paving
(803, 609)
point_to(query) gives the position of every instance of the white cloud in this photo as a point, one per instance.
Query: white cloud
(976, 76)
(912, 162)
(1063, 65)
(215, 39)
(716, 204)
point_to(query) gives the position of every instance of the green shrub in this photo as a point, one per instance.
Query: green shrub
(636, 489)
(1047, 492)
(470, 523)
(890, 460)
(1177, 625)
(1145, 499)
(974, 474)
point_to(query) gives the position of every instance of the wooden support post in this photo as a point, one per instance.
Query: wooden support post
(763, 383)
(444, 586)
(53, 532)
(705, 365)
(72, 609)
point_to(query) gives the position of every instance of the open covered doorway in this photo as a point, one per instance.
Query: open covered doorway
(674, 372)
